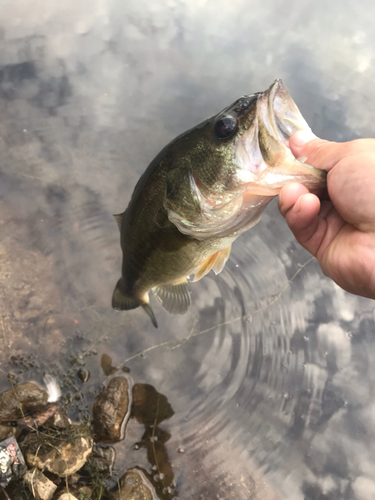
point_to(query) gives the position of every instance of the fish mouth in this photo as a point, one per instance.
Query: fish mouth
(263, 154)
(284, 117)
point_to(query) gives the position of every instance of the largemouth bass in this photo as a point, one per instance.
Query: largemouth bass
(201, 192)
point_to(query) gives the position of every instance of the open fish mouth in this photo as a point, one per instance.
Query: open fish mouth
(262, 154)
(285, 117)
(263, 164)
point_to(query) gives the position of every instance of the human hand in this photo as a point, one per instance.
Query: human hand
(339, 232)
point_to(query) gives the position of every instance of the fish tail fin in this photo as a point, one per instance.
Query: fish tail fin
(125, 302)
(121, 300)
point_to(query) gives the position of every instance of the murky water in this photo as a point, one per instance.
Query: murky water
(264, 389)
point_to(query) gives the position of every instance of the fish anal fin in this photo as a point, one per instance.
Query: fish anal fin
(216, 261)
(118, 218)
(174, 298)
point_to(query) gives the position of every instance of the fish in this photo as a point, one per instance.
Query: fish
(201, 192)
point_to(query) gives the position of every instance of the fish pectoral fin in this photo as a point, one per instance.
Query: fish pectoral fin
(221, 259)
(206, 267)
(216, 261)
(118, 218)
(174, 298)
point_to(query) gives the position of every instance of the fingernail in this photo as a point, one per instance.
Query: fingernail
(301, 137)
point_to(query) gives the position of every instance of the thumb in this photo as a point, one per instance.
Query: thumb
(319, 153)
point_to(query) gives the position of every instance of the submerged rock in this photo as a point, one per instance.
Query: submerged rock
(134, 485)
(63, 454)
(111, 410)
(40, 486)
(83, 375)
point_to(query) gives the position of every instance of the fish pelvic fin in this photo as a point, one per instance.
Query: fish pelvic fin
(174, 298)
(216, 261)
(124, 302)
(150, 312)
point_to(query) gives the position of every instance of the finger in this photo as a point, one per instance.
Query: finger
(324, 154)
(303, 220)
(289, 196)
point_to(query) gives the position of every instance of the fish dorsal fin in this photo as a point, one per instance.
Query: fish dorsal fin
(216, 261)
(118, 218)
(174, 298)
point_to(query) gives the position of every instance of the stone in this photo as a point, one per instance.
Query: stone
(134, 485)
(18, 401)
(101, 459)
(111, 410)
(22, 399)
(63, 455)
(60, 420)
(81, 493)
(40, 486)
(83, 375)
(7, 431)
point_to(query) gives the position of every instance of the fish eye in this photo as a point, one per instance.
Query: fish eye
(225, 127)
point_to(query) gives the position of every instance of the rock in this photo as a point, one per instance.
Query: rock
(111, 410)
(22, 399)
(62, 455)
(7, 431)
(18, 401)
(12, 463)
(74, 479)
(134, 485)
(60, 420)
(101, 460)
(83, 375)
(40, 486)
(82, 493)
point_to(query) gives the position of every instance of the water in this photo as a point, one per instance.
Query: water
(264, 390)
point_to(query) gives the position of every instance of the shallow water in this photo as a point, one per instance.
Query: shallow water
(264, 389)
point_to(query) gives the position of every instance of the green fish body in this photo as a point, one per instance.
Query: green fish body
(201, 192)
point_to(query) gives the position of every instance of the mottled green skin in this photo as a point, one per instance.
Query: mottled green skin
(209, 187)
(154, 251)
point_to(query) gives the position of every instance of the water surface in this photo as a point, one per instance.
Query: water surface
(264, 390)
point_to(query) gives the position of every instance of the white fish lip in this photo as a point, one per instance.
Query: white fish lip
(279, 117)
